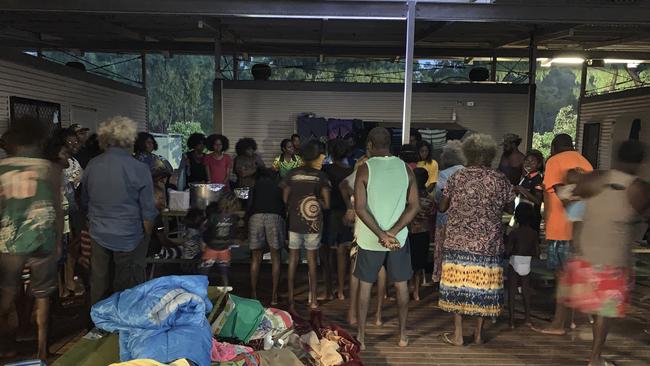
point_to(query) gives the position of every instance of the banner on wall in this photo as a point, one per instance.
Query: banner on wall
(319, 128)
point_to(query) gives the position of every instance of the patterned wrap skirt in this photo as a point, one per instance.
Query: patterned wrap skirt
(471, 284)
(598, 290)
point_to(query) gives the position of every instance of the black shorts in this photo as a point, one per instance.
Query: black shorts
(419, 243)
(43, 271)
(336, 232)
(397, 263)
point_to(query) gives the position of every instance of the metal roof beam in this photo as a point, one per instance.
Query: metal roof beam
(549, 11)
(311, 50)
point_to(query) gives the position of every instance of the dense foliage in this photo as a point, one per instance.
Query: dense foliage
(179, 88)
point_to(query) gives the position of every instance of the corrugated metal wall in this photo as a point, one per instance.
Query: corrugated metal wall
(268, 116)
(609, 109)
(31, 82)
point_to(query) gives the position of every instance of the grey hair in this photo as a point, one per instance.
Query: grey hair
(452, 154)
(117, 132)
(479, 149)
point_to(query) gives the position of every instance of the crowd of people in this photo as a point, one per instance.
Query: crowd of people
(72, 200)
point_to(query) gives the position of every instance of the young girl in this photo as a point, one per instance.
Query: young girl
(220, 235)
(419, 231)
(287, 159)
(522, 246)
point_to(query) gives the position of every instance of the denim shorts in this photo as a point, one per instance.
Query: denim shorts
(307, 241)
(559, 252)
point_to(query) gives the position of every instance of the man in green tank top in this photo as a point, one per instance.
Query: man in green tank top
(30, 226)
(386, 200)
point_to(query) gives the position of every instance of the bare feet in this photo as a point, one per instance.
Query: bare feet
(445, 337)
(341, 295)
(362, 344)
(313, 305)
(378, 322)
(602, 362)
(326, 297)
(478, 340)
(403, 342)
(549, 331)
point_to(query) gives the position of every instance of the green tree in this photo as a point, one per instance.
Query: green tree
(565, 121)
(556, 88)
(186, 128)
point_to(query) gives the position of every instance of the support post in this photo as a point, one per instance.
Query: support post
(217, 88)
(493, 69)
(408, 71)
(532, 72)
(143, 65)
(235, 66)
(583, 92)
(143, 84)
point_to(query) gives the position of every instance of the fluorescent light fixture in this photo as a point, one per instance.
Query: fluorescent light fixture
(343, 17)
(561, 60)
(631, 64)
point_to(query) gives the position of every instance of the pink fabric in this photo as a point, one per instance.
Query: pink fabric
(223, 352)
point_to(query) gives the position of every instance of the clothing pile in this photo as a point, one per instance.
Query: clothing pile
(165, 322)
(163, 319)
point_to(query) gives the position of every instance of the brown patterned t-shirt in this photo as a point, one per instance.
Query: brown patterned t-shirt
(478, 197)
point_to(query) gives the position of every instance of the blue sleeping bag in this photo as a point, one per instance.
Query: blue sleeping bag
(163, 319)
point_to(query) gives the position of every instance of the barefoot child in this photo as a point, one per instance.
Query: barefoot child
(420, 232)
(522, 246)
(306, 192)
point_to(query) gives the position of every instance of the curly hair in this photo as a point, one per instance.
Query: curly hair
(140, 144)
(452, 154)
(213, 138)
(195, 140)
(117, 132)
(244, 144)
(479, 149)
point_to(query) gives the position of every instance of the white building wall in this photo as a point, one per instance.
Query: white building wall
(269, 115)
(84, 98)
(615, 113)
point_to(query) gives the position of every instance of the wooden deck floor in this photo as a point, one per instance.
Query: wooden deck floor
(627, 345)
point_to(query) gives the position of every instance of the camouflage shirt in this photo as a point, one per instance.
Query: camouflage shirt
(28, 217)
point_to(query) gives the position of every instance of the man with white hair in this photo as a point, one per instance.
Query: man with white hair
(117, 195)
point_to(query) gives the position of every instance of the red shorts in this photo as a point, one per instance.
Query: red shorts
(596, 289)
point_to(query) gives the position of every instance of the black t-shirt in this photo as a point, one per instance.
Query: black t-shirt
(336, 174)
(534, 184)
(523, 241)
(221, 231)
(266, 197)
(304, 203)
(196, 171)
